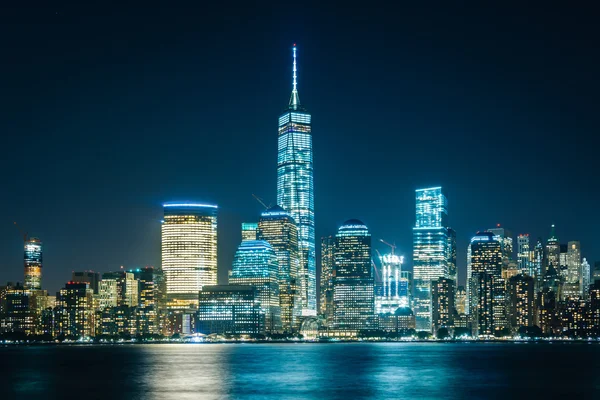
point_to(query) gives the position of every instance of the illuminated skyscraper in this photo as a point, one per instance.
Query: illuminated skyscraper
(442, 303)
(586, 274)
(521, 297)
(486, 284)
(524, 255)
(353, 285)
(430, 250)
(189, 251)
(295, 191)
(33, 264)
(393, 292)
(538, 264)
(504, 236)
(552, 254)
(452, 271)
(255, 264)
(572, 287)
(278, 228)
(460, 300)
(327, 259)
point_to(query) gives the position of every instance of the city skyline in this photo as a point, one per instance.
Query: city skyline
(111, 217)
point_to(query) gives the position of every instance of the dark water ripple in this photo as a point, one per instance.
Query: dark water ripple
(303, 371)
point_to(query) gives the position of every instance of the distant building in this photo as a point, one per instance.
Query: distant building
(400, 321)
(353, 283)
(327, 268)
(596, 272)
(504, 236)
(524, 263)
(147, 308)
(249, 230)
(33, 264)
(229, 309)
(460, 299)
(572, 287)
(91, 277)
(392, 292)
(443, 304)
(452, 270)
(255, 264)
(75, 310)
(552, 252)
(521, 295)
(585, 278)
(189, 251)
(430, 250)
(487, 285)
(279, 229)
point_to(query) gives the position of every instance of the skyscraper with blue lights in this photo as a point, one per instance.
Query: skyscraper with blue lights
(255, 264)
(432, 251)
(295, 190)
(33, 264)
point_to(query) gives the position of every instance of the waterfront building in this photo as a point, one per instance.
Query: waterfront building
(443, 303)
(594, 301)
(430, 250)
(353, 283)
(33, 264)
(487, 285)
(118, 288)
(392, 293)
(255, 264)
(327, 267)
(295, 189)
(279, 229)
(552, 252)
(460, 299)
(75, 309)
(401, 321)
(146, 312)
(16, 314)
(249, 230)
(521, 294)
(91, 277)
(229, 309)
(524, 263)
(189, 251)
(572, 287)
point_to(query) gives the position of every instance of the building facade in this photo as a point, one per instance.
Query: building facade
(430, 250)
(295, 189)
(327, 268)
(229, 309)
(353, 283)
(33, 264)
(189, 251)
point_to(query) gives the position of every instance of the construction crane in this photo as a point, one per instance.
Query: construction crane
(23, 234)
(393, 246)
(261, 201)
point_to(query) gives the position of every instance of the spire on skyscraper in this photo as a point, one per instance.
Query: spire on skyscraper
(294, 99)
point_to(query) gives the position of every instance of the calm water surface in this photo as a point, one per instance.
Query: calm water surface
(302, 371)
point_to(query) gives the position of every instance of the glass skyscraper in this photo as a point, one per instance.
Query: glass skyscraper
(189, 251)
(33, 264)
(278, 228)
(255, 264)
(353, 284)
(295, 191)
(326, 298)
(432, 251)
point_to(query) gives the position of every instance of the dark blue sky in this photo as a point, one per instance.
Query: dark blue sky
(107, 113)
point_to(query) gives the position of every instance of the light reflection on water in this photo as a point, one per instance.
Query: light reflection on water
(302, 371)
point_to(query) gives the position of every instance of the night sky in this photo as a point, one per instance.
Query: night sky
(108, 113)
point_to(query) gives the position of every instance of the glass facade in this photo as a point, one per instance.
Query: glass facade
(189, 251)
(295, 190)
(255, 264)
(353, 283)
(229, 309)
(443, 304)
(326, 299)
(393, 292)
(552, 254)
(487, 286)
(249, 230)
(524, 263)
(33, 264)
(279, 229)
(432, 252)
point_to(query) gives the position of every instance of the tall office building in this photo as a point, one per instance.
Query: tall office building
(147, 310)
(586, 281)
(392, 293)
(279, 229)
(538, 264)
(295, 190)
(75, 311)
(552, 252)
(572, 287)
(521, 295)
(255, 264)
(524, 255)
(353, 284)
(249, 230)
(452, 271)
(33, 264)
(460, 300)
(504, 236)
(327, 258)
(189, 251)
(229, 309)
(430, 250)
(486, 283)
(443, 303)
